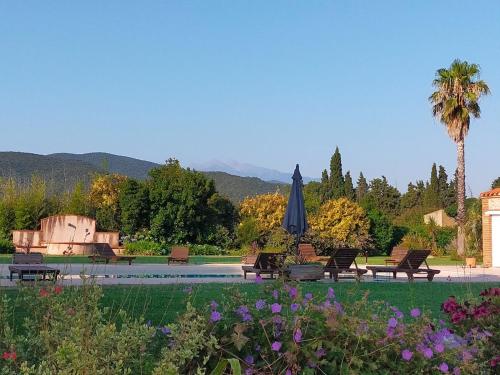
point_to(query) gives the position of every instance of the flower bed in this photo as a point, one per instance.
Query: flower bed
(280, 331)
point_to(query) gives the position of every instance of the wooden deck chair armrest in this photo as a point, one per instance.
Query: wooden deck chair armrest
(356, 264)
(425, 261)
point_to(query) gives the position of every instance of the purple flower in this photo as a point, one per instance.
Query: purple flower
(308, 296)
(338, 307)
(275, 294)
(331, 293)
(466, 356)
(249, 360)
(457, 371)
(399, 314)
(275, 308)
(427, 353)
(443, 367)
(258, 279)
(242, 310)
(389, 332)
(249, 371)
(215, 316)
(327, 304)
(277, 319)
(392, 323)
(320, 353)
(214, 305)
(439, 348)
(294, 307)
(297, 336)
(260, 304)
(406, 354)
(293, 293)
(415, 313)
(276, 346)
(165, 330)
(288, 372)
(246, 317)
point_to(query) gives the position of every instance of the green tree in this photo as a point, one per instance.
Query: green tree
(496, 183)
(455, 101)
(362, 188)
(134, 206)
(431, 197)
(383, 197)
(383, 233)
(179, 203)
(76, 202)
(336, 176)
(413, 196)
(32, 204)
(325, 186)
(313, 196)
(348, 187)
(443, 186)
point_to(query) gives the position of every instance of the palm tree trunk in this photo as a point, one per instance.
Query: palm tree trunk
(461, 197)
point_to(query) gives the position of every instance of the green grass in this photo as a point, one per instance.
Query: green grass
(162, 303)
(207, 259)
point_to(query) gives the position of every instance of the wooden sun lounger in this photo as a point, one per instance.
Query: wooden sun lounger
(266, 263)
(341, 261)
(410, 265)
(308, 253)
(179, 254)
(397, 255)
(104, 253)
(31, 264)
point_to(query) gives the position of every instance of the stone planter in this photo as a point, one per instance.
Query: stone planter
(470, 262)
(305, 272)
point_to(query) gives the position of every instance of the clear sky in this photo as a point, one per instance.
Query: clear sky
(270, 83)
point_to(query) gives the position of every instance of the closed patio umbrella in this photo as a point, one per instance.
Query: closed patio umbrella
(295, 221)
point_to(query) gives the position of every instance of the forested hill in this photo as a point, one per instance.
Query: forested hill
(64, 170)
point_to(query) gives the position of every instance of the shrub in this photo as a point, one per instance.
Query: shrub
(6, 246)
(267, 209)
(206, 250)
(145, 247)
(342, 222)
(220, 236)
(248, 231)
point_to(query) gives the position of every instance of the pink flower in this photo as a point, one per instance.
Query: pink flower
(407, 355)
(427, 352)
(275, 308)
(439, 348)
(491, 292)
(415, 313)
(9, 355)
(450, 305)
(457, 316)
(44, 293)
(443, 367)
(58, 289)
(276, 346)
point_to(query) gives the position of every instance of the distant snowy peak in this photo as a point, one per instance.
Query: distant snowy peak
(247, 170)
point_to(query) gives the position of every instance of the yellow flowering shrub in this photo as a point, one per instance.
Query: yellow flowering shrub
(341, 221)
(105, 190)
(267, 209)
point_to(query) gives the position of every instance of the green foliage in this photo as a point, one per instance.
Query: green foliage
(432, 196)
(280, 239)
(383, 197)
(206, 250)
(145, 247)
(336, 176)
(362, 188)
(312, 196)
(325, 186)
(179, 203)
(348, 187)
(248, 231)
(134, 206)
(474, 229)
(76, 202)
(496, 183)
(382, 232)
(6, 246)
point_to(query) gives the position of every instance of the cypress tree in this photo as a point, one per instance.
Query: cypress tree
(443, 186)
(325, 186)
(495, 183)
(432, 198)
(362, 188)
(348, 187)
(336, 176)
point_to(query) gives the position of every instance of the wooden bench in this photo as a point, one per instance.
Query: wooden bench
(266, 263)
(397, 254)
(410, 265)
(178, 254)
(104, 253)
(30, 264)
(341, 261)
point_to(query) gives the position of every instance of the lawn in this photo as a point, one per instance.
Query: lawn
(162, 303)
(207, 259)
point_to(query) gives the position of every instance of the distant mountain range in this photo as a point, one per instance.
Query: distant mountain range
(67, 169)
(249, 170)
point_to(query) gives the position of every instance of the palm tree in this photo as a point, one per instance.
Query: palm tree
(455, 100)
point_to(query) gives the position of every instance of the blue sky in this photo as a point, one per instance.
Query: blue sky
(252, 81)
